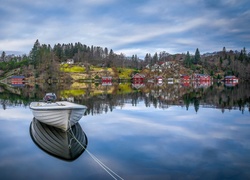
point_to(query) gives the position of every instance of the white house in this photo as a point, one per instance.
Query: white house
(70, 61)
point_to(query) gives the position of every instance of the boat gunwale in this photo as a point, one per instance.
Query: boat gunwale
(63, 108)
(72, 106)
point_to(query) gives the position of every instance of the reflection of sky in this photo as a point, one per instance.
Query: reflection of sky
(174, 138)
(138, 142)
(15, 113)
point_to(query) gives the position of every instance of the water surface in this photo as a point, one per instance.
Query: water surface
(137, 139)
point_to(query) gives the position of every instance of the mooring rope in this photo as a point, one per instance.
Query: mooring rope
(106, 168)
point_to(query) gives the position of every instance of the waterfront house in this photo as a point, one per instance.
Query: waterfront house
(138, 78)
(201, 77)
(17, 80)
(231, 80)
(185, 78)
(107, 80)
(159, 79)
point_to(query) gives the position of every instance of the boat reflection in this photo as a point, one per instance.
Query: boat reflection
(65, 145)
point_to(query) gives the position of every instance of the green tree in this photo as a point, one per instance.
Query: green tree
(221, 61)
(3, 56)
(241, 57)
(155, 58)
(35, 53)
(197, 56)
(187, 61)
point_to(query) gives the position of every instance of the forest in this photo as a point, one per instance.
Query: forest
(46, 59)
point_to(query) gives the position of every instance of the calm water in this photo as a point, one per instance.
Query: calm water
(136, 141)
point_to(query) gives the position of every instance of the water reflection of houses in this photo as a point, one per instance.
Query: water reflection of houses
(201, 84)
(138, 85)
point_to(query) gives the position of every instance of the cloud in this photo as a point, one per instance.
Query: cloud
(135, 27)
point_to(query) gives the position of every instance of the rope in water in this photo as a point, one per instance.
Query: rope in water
(106, 168)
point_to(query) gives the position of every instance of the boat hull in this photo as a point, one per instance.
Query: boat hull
(64, 145)
(60, 116)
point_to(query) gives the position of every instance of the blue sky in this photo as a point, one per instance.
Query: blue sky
(127, 26)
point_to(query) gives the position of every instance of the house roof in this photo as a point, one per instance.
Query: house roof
(137, 74)
(17, 77)
(230, 77)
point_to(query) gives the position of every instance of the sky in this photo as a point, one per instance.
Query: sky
(127, 26)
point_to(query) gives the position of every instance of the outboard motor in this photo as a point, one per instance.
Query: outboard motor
(50, 97)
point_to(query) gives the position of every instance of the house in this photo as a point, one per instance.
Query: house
(231, 80)
(167, 64)
(70, 61)
(156, 67)
(17, 80)
(159, 79)
(185, 78)
(201, 77)
(170, 80)
(185, 83)
(107, 81)
(138, 78)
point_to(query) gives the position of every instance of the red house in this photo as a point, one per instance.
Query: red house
(185, 78)
(17, 80)
(231, 80)
(201, 77)
(138, 78)
(106, 81)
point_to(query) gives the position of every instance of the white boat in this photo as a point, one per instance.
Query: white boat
(67, 145)
(60, 114)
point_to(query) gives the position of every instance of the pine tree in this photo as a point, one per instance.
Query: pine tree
(197, 56)
(155, 58)
(3, 56)
(35, 53)
(187, 61)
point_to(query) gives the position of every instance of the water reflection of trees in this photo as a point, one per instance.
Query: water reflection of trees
(215, 96)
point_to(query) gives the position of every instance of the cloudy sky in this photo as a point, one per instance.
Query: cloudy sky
(127, 26)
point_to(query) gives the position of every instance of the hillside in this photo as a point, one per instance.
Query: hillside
(69, 62)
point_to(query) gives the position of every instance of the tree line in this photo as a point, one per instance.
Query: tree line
(44, 57)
